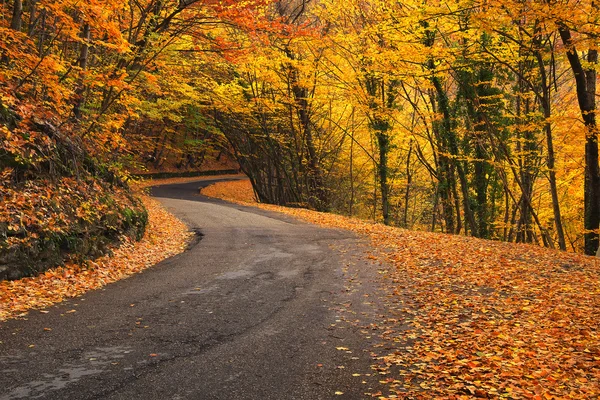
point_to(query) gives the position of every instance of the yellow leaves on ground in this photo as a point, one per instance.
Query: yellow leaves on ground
(165, 236)
(169, 181)
(240, 191)
(487, 319)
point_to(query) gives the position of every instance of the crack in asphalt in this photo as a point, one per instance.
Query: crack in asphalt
(200, 348)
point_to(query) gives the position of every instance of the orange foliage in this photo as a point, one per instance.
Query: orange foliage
(236, 191)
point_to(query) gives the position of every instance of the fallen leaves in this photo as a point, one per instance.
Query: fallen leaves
(238, 191)
(165, 236)
(44, 221)
(486, 319)
(169, 181)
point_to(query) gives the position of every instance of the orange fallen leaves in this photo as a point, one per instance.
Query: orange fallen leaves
(240, 191)
(165, 236)
(168, 181)
(487, 319)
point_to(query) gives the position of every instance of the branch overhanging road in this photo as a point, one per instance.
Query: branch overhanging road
(248, 312)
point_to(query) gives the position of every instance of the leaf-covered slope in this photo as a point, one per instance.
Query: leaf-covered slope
(57, 201)
(165, 237)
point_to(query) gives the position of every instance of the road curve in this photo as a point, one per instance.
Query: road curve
(248, 312)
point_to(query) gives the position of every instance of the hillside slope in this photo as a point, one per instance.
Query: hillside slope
(59, 203)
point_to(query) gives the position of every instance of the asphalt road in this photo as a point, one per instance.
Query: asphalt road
(251, 311)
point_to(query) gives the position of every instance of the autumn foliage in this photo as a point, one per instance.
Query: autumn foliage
(463, 117)
(87, 94)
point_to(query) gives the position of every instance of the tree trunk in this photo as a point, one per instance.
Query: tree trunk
(32, 17)
(351, 205)
(83, 55)
(316, 188)
(16, 21)
(585, 80)
(444, 173)
(408, 183)
(452, 146)
(546, 105)
(481, 184)
(552, 178)
(383, 143)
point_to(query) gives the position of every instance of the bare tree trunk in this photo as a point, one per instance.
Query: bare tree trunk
(32, 17)
(553, 188)
(16, 21)
(83, 55)
(408, 183)
(585, 80)
(383, 143)
(506, 215)
(351, 206)
(434, 209)
(546, 105)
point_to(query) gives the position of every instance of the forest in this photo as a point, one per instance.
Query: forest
(468, 117)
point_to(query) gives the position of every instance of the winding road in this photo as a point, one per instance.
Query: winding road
(250, 311)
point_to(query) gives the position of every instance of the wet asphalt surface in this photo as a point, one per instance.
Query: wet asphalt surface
(250, 311)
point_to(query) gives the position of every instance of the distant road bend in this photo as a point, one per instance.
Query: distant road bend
(245, 313)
